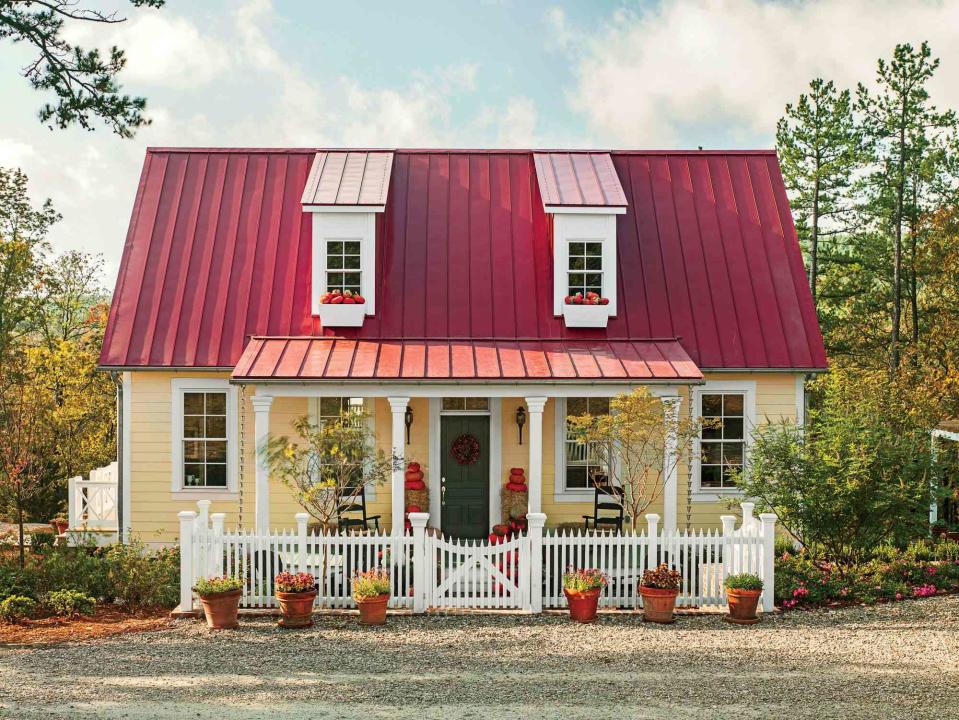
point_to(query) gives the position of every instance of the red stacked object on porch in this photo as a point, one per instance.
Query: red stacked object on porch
(517, 480)
(414, 477)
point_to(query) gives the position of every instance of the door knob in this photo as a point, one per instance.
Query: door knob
(442, 491)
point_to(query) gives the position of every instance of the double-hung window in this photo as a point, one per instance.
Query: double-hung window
(585, 267)
(727, 410)
(204, 435)
(344, 266)
(583, 463)
(326, 409)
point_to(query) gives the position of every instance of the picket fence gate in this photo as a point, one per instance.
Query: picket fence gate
(429, 571)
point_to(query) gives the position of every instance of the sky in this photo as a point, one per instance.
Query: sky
(487, 73)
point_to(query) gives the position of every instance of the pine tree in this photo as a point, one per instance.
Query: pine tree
(819, 146)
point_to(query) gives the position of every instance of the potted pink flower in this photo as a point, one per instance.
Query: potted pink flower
(371, 591)
(659, 589)
(220, 597)
(582, 589)
(296, 593)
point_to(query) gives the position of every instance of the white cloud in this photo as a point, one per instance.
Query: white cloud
(14, 153)
(670, 72)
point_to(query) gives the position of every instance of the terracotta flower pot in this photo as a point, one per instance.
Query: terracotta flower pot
(658, 604)
(583, 605)
(373, 610)
(742, 606)
(297, 608)
(221, 609)
(60, 526)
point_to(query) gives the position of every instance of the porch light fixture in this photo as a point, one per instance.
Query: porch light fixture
(408, 418)
(520, 421)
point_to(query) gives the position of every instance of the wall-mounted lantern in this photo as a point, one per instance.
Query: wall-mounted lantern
(408, 417)
(520, 421)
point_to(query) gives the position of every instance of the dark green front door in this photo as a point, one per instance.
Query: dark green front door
(465, 511)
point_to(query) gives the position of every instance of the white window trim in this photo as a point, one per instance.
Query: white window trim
(748, 390)
(583, 227)
(560, 492)
(369, 409)
(179, 386)
(348, 226)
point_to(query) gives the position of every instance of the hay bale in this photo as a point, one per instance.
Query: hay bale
(514, 503)
(417, 497)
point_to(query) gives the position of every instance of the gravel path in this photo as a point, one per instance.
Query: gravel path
(891, 661)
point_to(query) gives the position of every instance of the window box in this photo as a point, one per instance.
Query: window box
(586, 316)
(341, 315)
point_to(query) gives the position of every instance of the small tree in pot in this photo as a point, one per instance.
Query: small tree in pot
(371, 590)
(220, 597)
(742, 592)
(582, 589)
(659, 589)
(296, 594)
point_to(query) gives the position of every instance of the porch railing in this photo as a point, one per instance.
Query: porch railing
(92, 503)
(429, 571)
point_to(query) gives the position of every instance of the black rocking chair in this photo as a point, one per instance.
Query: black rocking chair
(607, 507)
(346, 514)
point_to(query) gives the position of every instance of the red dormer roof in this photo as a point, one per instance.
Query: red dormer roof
(219, 251)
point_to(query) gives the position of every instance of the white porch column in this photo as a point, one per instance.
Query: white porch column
(670, 461)
(535, 405)
(261, 435)
(398, 409)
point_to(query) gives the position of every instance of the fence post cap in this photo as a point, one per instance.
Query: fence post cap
(768, 517)
(727, 518)
(214, 516)
(652, 517)
(203, 504)
(535, 519)
(187, 514)
(301, 516)
(419, 520)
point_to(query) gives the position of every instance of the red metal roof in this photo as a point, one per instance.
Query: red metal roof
(348, 178)
(578, 180)
(219, 250)
(305, 358)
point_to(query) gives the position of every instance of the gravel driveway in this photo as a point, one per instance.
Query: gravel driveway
(891, 661)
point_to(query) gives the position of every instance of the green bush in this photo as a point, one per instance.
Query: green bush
(16, 608)
(14, 581)
(140, 578)
(784, 545)
(69, 602)
(73, 568)
(744, 581)
(947, 550)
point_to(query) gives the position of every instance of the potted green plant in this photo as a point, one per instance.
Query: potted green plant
(371, 590)
(220, 597)
(582, 588)
(659, 589)
(60, 523)
(296, 593)
(742, 593)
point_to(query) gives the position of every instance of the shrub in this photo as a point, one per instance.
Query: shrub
(583, 580)
(140, 578)
(947, 550)
(744, 581)
(294, 583)
(16, 608)
(662, 578)
(73, 568)
(69, 602)
(14, 581)
(215, 585)
(784, 545)
(371, 584)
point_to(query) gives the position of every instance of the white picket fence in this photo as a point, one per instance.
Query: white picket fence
(429, 571)
(92, 504)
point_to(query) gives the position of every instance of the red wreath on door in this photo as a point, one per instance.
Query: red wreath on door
(465, 449)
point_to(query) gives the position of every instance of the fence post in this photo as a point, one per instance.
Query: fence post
(768, 521)
(420, 560)
(203, 515)
(729, 562)
(749, 521)
(187, 519)
(216, 547)
(302, 555)
(652, 541)
(534, 524)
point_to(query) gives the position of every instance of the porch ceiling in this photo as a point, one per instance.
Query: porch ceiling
(312, 358)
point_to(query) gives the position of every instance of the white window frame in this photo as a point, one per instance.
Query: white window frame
(583, 227)
(340, 225)
(181, 386)
(747, 388)
(560, 492)
(369, 410)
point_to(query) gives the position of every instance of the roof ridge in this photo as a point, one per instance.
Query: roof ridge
(458, 151)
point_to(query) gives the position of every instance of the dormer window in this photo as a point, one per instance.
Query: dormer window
(344, 269)
(583, 194)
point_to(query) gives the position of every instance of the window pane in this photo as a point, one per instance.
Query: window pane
(216, 475)
(216, 451)
(193, 476)
(577, 248)
(576, 280)
(713, 432)
(732, 453)
(193, 426)
(192, 403)
(712, 453)
(711, 476)
(351, 278)
(732, 405)
(594, 263)
(576, 406)
(334, 262)
(351, 248)
(594, 249)
(355, 405)
(352, 262)
(712, 405)
(598, 406)
(477, 403)
(733, 428)
(193, 451)
(594, 279)
(728, 477)
(577, 263)
(334, 281)
(216, 427)
(577, 476)
(216, 403)
(330, 407)
(454, 403)
(334, 247)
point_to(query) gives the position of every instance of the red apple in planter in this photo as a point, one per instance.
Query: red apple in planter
(337, 300)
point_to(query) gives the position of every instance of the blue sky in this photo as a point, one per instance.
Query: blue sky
(608, 74)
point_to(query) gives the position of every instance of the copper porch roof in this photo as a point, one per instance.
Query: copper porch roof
(312, 358)
(348, 178)
(578, 180)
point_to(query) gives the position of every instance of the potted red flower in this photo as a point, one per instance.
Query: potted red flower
(371, 590)
(582, 589)
(659, 589)
(296, 593)
(60, 523)
(342, 309)
(742, 593)
(220, 597)
(590, 310)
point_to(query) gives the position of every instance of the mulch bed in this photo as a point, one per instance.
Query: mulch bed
(108, 620)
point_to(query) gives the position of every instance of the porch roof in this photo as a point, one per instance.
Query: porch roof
(325, 358)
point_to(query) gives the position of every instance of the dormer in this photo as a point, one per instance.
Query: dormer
(343, 193)
(582, 192)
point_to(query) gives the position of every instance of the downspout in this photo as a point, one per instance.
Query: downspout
(118, 381)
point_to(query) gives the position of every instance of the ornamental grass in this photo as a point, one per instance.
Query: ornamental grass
(371, 584)
(744, 581)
